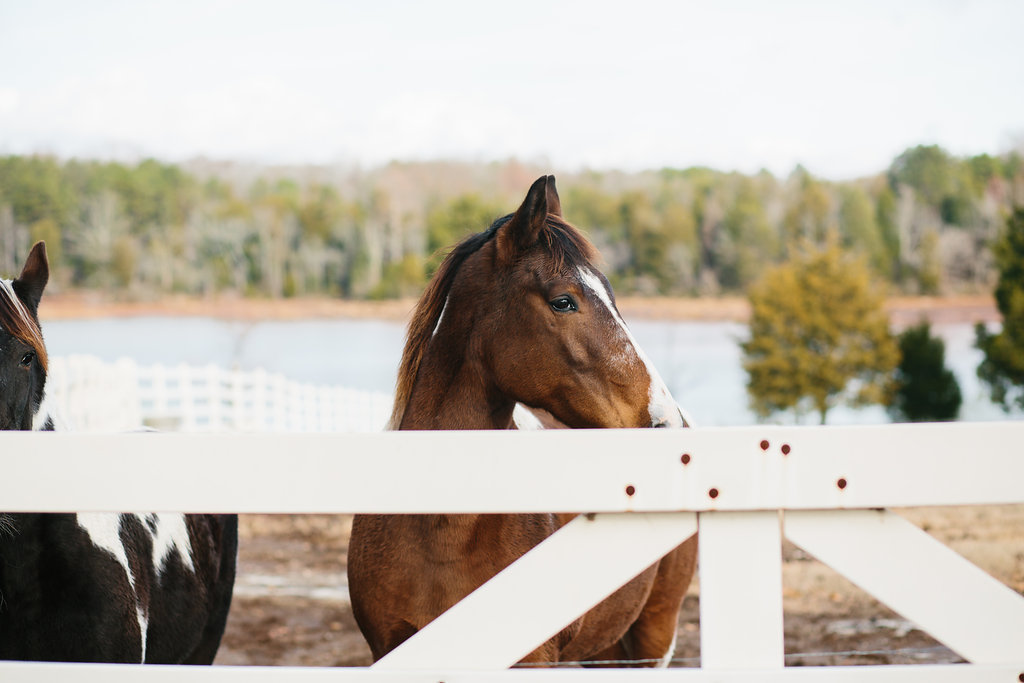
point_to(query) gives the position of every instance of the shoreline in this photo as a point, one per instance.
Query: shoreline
(903, 311)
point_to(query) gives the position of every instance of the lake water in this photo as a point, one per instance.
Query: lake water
(700, 361)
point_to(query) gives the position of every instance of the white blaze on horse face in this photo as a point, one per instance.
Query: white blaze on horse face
(662, 407)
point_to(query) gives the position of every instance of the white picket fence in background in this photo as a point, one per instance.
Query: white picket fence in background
(96, 396)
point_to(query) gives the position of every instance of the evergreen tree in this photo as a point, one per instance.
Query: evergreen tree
(818, 336)
(1003, 367)
(926, 390)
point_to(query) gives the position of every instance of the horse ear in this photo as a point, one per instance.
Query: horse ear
(554, 203)
(523, 230)
(30, 284)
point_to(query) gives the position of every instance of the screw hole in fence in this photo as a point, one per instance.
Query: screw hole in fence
(685, 459)
(630, 490)
(713, 493)
(764, 444)
(841, 484)
(785, 449)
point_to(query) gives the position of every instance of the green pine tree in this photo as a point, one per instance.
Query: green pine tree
(818, 336)
(1003, 367)
(926, 390)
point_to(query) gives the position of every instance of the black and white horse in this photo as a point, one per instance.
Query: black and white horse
(151, 588)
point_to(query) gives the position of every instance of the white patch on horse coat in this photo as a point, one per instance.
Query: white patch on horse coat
(662, 407)
(171, 535)
(104, 531)
(47, 412)
(143, 629)
(667, 659)
(440, 318)
(524, 419)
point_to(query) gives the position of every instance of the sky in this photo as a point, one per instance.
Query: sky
(841, 88)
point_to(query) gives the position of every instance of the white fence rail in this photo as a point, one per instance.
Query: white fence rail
(96, 396)
(649, 489)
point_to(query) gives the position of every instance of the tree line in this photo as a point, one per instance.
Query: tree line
(925, 225)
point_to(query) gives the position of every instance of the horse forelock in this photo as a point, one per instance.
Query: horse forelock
(18, 321)
(567, 246)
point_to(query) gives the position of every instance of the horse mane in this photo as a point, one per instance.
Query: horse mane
(566, 245)
(17, 321)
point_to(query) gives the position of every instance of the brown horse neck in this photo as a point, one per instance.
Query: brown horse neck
(451, 538)
(451, 390)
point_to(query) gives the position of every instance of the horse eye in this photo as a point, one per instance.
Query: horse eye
(27, 359)
(563, 304)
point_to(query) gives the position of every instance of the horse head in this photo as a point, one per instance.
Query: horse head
(520, 313)
(23, 360)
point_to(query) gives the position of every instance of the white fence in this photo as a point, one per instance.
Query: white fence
(648, 490)
(96, 396)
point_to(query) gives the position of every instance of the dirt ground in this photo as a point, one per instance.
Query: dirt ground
(291, 599)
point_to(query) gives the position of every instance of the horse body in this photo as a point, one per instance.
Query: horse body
(152, 588)
(515, 315)
(114, 588)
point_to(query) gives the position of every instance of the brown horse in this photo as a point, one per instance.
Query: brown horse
(517, 313)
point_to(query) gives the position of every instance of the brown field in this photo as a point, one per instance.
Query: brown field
(291, 606)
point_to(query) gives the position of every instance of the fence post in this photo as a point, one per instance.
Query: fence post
(740, 590)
